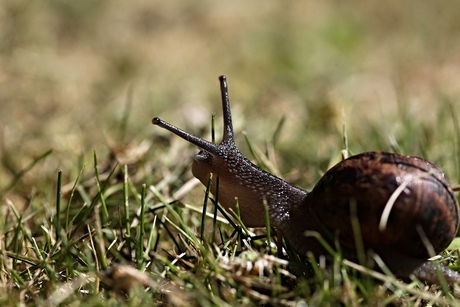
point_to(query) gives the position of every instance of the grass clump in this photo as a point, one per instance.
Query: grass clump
(111, 240)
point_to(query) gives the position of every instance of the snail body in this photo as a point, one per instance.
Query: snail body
(405, 208)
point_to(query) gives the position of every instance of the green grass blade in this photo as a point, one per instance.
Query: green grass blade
(24, 171)
(57, 218)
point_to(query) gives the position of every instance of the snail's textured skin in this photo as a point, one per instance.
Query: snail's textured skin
(240, 178)
(421, 209)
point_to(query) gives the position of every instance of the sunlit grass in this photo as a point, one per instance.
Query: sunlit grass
(114, 241)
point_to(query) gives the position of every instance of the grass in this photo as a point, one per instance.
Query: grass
(100, 208)
(111, 242)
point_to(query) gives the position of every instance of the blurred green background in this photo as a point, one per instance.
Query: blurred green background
(70, 71)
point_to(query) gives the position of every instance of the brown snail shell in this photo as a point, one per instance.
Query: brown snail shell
(423, 211)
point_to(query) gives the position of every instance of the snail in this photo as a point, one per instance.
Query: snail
(406, 210)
